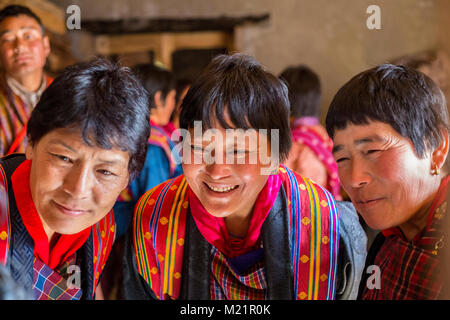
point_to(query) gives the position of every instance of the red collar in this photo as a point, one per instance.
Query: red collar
(65, 246)
(215, 231)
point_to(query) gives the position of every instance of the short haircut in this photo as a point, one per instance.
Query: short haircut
(304, 91)
(17, 10)
(238, 85)
(155, 79)
(402, 97)
(105, 101)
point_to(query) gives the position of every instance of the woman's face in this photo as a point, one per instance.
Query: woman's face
(382, 174)
(225, 170)
(74, 185)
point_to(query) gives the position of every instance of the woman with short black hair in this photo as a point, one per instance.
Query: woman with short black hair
(390, 129)
(236, 225)
(87, 139)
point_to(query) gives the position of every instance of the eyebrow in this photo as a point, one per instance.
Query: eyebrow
(57, 141)
(110, 162)
(23, 28)
(369, 139)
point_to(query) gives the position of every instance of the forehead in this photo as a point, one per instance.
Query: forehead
(19, 22)
(357, 134)
(72, 140)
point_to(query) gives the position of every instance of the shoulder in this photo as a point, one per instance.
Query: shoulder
(306, 191)
(158, 201)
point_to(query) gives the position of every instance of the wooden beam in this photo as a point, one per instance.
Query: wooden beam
(161, 43)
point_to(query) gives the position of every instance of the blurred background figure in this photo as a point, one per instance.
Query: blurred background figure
(310, 154)
(182, 87)
(159, 164)
(24, 48)
(433, 63)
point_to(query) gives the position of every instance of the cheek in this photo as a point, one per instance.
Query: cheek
(191, 173)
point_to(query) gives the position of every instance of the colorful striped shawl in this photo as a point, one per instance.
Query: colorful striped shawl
(159, 234)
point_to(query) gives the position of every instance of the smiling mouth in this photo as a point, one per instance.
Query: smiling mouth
(69, 211)
(221, 189)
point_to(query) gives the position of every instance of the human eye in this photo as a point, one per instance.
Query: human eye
(7, 38)
(105, 173)
(196, 148)
(61, 158)
(372, 151)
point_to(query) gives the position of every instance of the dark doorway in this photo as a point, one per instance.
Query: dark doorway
(188, 64)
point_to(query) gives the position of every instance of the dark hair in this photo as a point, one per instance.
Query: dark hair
(17, 10)
(239, 86)
(106, 101)
(402, 97)
(304, 91)
(155, 79)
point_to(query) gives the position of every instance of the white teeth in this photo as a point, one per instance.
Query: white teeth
(221, 189)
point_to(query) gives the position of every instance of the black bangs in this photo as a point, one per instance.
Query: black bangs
(103, 100)
(404, 98)
(238, 93)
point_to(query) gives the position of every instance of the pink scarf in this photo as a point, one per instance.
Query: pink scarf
(215, 231)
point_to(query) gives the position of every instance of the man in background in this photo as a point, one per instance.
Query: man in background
(24, 48)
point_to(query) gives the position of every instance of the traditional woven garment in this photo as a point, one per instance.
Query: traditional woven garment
(55, 284)
(410, 269)
(230, 284)
(18, 248)
(304, 213)
(14, 115)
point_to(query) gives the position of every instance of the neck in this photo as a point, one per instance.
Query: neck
(31, 81)
(238, 224)
(418, 222)
(155, 120)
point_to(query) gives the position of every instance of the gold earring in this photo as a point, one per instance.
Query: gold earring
(435, 171)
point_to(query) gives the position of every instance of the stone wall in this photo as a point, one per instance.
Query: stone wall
(328, 35)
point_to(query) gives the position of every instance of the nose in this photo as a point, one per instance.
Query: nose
(217, 170)
(18, 44)
(78, 182)
(359, 174)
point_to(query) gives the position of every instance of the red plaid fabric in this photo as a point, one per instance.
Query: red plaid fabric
(407, 272)
(227, 284)
(51, 284)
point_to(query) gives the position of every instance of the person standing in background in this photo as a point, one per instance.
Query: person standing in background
(24, 49)
(311, 148)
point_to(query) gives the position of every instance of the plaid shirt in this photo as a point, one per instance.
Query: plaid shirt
(409, 269)
(51, 284)
(228, 284)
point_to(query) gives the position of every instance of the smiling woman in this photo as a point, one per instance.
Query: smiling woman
(226, 229)
(390, 129)
(87, 139)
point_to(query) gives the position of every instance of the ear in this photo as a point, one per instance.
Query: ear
(157, 99)
(440, 153)
(46, 43)
(29, 151)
